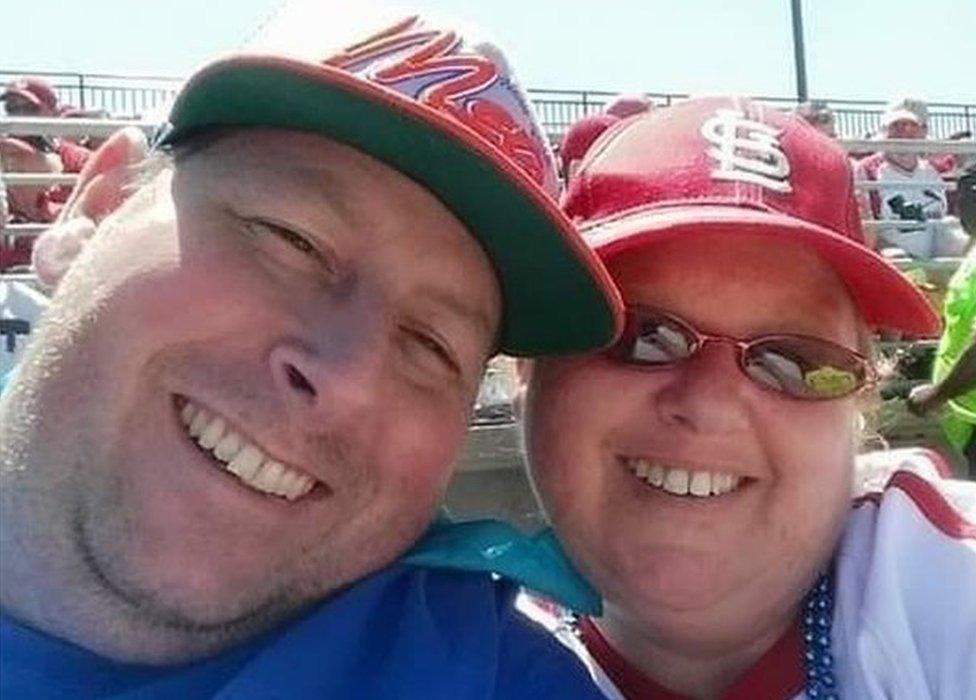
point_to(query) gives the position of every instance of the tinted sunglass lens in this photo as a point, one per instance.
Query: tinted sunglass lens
(804, 367)
(658, 340)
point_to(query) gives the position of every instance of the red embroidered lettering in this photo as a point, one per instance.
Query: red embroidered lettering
(432, 52)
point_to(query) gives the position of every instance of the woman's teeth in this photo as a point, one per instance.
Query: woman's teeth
(682, 482)
(241, 458)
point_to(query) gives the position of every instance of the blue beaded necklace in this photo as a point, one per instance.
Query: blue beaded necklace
(818, 609)
(817, 616)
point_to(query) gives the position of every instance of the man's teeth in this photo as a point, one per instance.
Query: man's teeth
(240, 457)
(683, 482)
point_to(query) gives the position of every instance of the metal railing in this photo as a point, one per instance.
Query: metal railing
(22, 126)
(144, 96)
(71, 128)
(119, 95)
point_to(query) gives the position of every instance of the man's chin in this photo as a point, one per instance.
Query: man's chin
(189, 597)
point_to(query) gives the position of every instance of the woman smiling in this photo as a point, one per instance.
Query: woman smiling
(700, 472)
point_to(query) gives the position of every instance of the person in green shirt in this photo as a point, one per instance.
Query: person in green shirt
(953, 387)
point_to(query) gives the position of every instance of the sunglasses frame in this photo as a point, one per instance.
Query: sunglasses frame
(634, 314)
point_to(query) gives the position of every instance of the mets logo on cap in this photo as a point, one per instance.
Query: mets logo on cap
(469, 83)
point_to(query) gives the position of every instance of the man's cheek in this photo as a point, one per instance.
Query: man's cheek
(427, 442)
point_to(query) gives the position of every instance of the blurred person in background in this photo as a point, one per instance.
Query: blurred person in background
(89, 143)
(627, 105)
(952, 391)
(30, 97)
(952, 166)
(911, 197)
(579, 138)
(817, 114)
(30, 153)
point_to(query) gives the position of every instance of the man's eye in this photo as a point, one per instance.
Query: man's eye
(428, 349)
(294, 239)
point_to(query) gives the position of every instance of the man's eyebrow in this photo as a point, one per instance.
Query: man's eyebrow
(308, 183)
(319, 185)
(459, 307)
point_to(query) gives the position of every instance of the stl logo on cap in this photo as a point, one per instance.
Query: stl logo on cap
(755, 156)
(436, 68)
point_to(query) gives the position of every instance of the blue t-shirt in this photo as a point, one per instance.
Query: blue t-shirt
(406, 632)
(436, 625)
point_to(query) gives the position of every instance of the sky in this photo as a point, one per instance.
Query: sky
(856, 49)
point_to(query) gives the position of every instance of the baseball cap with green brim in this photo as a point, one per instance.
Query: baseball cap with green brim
(445, 112)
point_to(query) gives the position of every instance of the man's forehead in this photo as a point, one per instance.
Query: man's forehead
(293, 165)
(268, 148)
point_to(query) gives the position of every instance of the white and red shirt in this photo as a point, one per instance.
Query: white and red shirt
(904, 624)
(922, 186)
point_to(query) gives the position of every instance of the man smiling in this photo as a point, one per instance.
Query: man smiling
(253, 380)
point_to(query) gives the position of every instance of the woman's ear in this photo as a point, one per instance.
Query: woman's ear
(105, 182)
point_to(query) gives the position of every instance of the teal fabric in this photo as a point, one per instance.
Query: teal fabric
(537, 562)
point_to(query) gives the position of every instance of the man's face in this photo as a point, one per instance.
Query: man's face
(685, 564)
(322, 312)
(19, 106)
(905, 129)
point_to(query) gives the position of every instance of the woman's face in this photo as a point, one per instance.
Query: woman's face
(673, 560)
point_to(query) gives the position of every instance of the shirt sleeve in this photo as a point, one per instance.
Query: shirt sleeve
(534, 665)
(906, 592)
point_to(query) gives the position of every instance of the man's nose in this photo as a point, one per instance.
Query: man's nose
(334, 372)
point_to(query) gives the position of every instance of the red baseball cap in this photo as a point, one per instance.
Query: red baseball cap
(730, 165)
(444, 109)
(36, 91)
(583, 134)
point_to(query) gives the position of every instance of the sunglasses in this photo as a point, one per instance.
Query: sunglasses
(797, 366)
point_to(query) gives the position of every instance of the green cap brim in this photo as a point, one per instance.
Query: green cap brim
(558, 298)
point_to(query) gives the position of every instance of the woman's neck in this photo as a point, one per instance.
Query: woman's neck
(701, 668)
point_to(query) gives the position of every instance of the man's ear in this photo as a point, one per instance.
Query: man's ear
(104, 183)
(523, 373)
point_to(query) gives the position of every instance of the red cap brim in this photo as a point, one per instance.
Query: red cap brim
(885, 297)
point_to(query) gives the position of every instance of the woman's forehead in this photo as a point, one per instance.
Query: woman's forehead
(741, 279)
(722, 256)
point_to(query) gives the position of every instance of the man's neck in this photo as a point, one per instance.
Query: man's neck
(702, 670)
